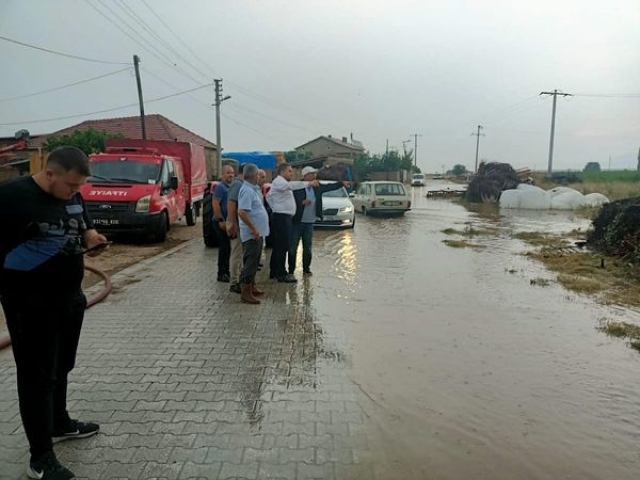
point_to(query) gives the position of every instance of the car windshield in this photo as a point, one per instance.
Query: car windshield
(340, 193)
(418, 176)
(126, 170)
(389, 189)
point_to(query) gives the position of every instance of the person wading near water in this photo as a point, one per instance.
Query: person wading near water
(254, 227)
(220, 216)
(283, 205)
(45, 228)
(235, 258)
(308, 208)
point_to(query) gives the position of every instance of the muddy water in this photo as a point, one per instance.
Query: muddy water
(468, 370)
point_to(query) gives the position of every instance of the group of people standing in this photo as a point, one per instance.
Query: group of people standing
(245, 217)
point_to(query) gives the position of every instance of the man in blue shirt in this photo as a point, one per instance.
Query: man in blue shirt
(308, 208)
(220, 218)
(254, 227)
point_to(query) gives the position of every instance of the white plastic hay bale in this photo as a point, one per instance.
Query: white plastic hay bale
(510, 199)
(535, 198)
(526, 186)
(571, 200)
(554, 192)
(595, 200)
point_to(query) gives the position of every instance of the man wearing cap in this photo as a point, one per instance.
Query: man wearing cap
(283, 206)
(308, 208)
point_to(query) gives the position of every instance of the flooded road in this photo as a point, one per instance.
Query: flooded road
(467, 369)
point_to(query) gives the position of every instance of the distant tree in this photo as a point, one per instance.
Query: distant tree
(592, 167)
(89, 141)
(459, 169)
(293, 156)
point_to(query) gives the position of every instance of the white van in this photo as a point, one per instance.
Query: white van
(381, 198)
(418, 180)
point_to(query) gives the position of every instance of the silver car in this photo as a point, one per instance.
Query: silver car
(337, 209)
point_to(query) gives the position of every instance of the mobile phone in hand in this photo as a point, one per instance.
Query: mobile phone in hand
(97, 247)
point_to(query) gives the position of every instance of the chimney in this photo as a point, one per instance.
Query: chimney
(329, 136)
(344, 139)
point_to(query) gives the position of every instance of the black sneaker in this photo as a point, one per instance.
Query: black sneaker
(47, 467)
(288, 279)
(235, 288)
(224, 278)
(76, 429)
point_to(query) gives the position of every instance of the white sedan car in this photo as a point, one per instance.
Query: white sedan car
(337, 209)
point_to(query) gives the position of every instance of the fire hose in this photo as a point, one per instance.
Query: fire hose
(5, 340)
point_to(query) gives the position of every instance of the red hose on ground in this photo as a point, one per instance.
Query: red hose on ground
(5, 340)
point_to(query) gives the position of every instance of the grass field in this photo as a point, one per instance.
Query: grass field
(614, 184)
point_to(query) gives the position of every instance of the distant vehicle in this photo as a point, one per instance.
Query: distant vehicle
(337, 209)
(438, 176)
(418, 180)
(382, 198)
(142, 186)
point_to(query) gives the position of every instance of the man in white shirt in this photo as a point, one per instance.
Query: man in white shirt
(283, 206)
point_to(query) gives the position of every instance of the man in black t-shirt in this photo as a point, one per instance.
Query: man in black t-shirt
(44, 230)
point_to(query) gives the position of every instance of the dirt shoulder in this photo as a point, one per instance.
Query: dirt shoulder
(123, 255)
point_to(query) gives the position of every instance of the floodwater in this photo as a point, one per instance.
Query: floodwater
(469, 370)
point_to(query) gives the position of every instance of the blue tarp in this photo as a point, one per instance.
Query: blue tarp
(265, 160)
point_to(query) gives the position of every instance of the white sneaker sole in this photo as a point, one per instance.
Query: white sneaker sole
(72, 437)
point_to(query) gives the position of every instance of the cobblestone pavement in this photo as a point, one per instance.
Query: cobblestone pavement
(187, 382)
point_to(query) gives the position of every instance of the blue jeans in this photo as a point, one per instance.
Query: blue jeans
(302, 231)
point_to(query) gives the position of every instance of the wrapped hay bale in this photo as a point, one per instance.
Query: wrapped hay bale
(510, 199)
(568, 201)
(554, 192)
(595, 200)
(534, 198)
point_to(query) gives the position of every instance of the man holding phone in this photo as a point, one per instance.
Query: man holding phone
(46, 230)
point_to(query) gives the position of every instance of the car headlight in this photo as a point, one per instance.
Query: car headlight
(143, 204)
(346, 209)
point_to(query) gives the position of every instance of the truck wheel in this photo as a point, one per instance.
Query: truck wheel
(162, 227)
(191, 214)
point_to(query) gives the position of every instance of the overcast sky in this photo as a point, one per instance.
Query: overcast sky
(379, 70)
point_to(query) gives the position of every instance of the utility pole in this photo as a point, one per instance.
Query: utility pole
(415, 148)
(555, 94)
(219, 100)
(386, 152)
(136, 64)
(480, 127)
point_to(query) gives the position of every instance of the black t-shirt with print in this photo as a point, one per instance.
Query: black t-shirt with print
(40, 240)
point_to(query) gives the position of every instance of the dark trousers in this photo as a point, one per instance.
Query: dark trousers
(224, 250)
(44, 336)
(281, 224)
(251, 251)
(304, 232)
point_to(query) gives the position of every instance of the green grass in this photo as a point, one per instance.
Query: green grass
(610, 176)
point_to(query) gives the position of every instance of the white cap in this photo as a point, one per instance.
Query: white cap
(307, 170)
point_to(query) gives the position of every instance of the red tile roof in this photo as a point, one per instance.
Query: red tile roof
(158, 128)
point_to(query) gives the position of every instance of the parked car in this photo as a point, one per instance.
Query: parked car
(337, 209)
(418, 180)
(382, 198)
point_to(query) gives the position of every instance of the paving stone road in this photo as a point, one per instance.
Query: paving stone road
(187, 382)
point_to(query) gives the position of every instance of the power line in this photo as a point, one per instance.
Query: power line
(157, 99)
(168, 27)
(68, 55)
(129, 11)
(607, 95)
(63, 86)
(152, 50)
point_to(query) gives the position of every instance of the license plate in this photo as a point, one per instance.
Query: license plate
(392, 204)
(329, 218)
(100, 221)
